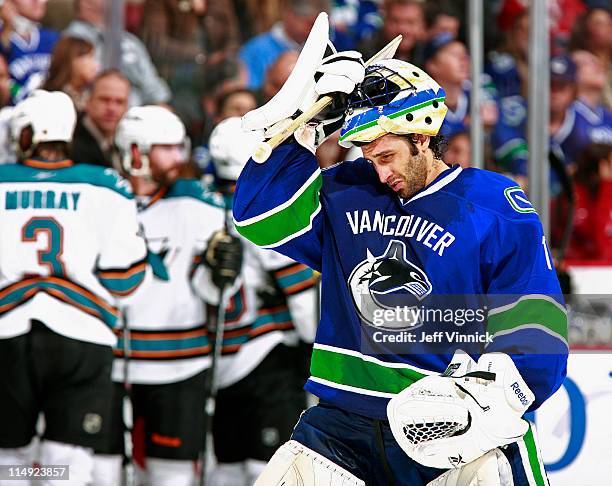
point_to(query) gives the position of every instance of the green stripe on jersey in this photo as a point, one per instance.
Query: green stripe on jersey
(279, 225)
(511, 151)
(534, 462)
(354, 371)
(529, 312)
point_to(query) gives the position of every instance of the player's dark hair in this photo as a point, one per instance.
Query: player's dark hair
(62, 149)
(437, 144)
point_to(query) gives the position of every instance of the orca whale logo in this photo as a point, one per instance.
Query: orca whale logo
(387, 282)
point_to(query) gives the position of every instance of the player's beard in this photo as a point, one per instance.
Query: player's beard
(166, 178)
(414, 173)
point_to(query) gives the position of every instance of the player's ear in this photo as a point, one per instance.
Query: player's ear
(25, 139)
(420, 141)
(136, 158)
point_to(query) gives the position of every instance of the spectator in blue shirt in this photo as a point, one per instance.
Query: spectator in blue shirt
(26, 46)
(290, 32)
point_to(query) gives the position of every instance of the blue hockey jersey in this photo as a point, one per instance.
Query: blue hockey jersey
(457, 120)
(582, 126)
(29, 60)
(469, 239)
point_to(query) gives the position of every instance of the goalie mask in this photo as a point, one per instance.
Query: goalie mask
(45, 116)
(394, 97)
(231, 147)
(140, 129)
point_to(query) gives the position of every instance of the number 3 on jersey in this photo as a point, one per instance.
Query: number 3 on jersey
(50, 257)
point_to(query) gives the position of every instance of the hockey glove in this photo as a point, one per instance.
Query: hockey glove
(337, 76)
(223, 256)
(450, 420)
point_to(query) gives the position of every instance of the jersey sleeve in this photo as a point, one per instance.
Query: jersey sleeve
(298, 284)
(527, 318)
(277, 204)
(122, 263)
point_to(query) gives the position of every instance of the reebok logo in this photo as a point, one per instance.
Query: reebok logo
(519, 394)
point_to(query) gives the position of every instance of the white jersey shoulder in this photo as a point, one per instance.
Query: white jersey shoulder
(69, 247)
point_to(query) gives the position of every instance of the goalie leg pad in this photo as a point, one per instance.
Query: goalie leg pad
(492, 469)
(294, 464)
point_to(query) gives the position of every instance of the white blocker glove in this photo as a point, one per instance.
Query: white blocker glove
(450, 420)
(336, 76)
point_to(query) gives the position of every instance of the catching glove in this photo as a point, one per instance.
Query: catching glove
(450, 420)
(223, 256)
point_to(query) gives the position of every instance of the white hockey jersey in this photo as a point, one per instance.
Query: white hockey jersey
(167, 320)
(254, 325)
(69, 246)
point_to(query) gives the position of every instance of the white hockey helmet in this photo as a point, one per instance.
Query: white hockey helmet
(231, 147)
(141, 128)
(394, 97)
(50, 116)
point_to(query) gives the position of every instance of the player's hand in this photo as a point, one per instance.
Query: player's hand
(223, 256)
(337, 76)
(339, 73)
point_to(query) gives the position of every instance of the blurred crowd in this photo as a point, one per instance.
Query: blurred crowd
(212, 59)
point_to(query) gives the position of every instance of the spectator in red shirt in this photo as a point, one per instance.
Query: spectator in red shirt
(591, 238)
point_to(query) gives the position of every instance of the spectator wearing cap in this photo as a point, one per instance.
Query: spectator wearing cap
(405, 17)
(448, 62)
(570, 130)
(562, 119)
(291, 32)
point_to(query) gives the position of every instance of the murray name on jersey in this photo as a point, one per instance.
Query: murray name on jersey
(67, 200)
(69, 248)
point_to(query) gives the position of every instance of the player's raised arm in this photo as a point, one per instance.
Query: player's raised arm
(277, 203)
